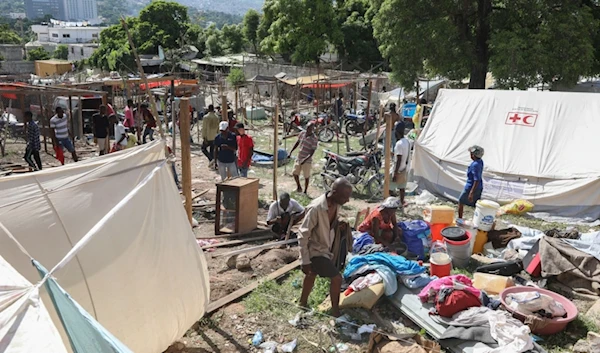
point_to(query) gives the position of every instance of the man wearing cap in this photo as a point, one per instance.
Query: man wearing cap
(474, 186)
(225, 149)
(308, 142)
(400, 169)
(245, 150)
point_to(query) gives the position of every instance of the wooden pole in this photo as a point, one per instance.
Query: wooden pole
(275, 148)
(144, 78)
(378, 125)
(80, 118)
(186, 157)
(369, 98)
(71, 118)
(237, 107)
(173, 118)
(44, 122)
(224, 108)
(388, 155)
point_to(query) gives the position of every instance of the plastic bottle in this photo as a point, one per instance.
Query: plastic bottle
(257, 338)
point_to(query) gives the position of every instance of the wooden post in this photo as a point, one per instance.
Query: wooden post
(369, 98)
(80, 118)
(224, 108)
(186, 157)
(356, 96)
(43, 121)
(378, 127)
(237, 107)
(144, 78)
(70, 110)
(275, 148)
(174, 124)
(388, 142)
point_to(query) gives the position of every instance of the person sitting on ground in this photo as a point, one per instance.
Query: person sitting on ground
(60, 132)
(225, 150)
(474, 186)
(284, 213)
(316, 237)
(308, 142)
(400, 169)
(120, 134)
(383, 218)
(131, 140)
(33, 142)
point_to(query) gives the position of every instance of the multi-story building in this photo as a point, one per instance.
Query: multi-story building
(65, 10)
(39, 8)
(81, 39)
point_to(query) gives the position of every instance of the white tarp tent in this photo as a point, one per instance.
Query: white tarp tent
(427, 89)
(25, 325)
(538, 146)
(140, 274)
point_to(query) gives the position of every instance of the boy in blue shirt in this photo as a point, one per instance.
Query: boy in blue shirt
(474, 186)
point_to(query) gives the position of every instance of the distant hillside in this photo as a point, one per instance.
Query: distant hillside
(238, 7)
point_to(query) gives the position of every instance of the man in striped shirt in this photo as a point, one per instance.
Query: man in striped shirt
(60, 132)
(308, 142)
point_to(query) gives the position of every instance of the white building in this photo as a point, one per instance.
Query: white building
(17, 15)
(81, 10)
(78, 36)
(81, 51)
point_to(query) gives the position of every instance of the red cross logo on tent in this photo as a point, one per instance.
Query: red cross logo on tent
(520, 118)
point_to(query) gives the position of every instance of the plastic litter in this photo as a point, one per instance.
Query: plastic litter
(289, 347)
(341, 347)
(425, 198)
(366, 329)
(257, 338)
(269, 347)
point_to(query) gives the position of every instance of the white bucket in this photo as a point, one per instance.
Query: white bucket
(485, 215)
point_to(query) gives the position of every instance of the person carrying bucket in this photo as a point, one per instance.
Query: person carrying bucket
(474, 186)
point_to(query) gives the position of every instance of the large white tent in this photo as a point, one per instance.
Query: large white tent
(539, 146)
(117, 233)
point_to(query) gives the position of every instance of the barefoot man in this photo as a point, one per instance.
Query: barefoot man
(316, 236)
(308, 142)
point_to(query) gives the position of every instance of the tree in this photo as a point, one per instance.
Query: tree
(302, 29)
(8, 36)
(114, 53)
(357, 47)
(251, 24)
(61, 52)
(236, 77)
(161, 23)
(214, 41)
(514, 38)
(38, 53)
(234, 38)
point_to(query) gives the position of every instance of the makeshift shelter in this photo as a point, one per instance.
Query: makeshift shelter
(116, 228)
(537, 147)
(427, 90)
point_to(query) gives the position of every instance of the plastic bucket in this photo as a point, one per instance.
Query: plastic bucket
(436, 231)
(485, 214)
(459, 251)
(454, 233)
(468, 226)
(440, 265)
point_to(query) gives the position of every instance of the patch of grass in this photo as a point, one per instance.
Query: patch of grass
(302, 198)
(462, 271)
(288, 292)
(264, 204)
(564, 341)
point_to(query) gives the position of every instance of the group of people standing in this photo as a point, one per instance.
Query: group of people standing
(226, 144)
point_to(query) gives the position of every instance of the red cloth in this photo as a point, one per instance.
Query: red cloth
(59, 154)
(454, 302)
(129, 122)
(365, 226)
(109, 110)
(232, 124)
(245, 147)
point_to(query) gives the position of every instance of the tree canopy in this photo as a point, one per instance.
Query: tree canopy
(8, 36)
(521, 41)
(251, 23)
(61, 52)
(38, 54)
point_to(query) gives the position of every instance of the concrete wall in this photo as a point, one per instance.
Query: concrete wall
(11, 52)
(17, 67)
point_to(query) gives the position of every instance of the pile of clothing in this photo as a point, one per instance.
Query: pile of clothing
(361, 269)
(364, 244)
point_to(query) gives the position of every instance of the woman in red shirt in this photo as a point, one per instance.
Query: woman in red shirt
(380, 219)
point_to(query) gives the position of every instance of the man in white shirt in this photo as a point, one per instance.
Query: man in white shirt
(400, 169)
(120, 134)
(60, 132)
(284, 211)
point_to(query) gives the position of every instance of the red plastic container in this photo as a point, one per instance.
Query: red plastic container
(436, 231)
(554, 325)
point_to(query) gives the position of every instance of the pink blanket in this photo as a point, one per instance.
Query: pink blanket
(430, 291)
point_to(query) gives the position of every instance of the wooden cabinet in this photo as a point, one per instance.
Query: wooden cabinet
(236, 206)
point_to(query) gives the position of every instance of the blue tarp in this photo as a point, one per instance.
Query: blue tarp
(85, 334)
(396, 263)
(266, 157)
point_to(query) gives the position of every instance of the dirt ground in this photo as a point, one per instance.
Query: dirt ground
(230, 328)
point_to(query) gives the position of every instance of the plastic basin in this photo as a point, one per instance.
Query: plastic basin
(454, 233)
(554, 325)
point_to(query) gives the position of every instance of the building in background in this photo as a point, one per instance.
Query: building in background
(80, 38)
(40, 8)
(64, 10)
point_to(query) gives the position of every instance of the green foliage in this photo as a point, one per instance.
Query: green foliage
(38, 54)
(357, 47)
(114, 53)
(214, 41)
(233, 38)
(522, 41)
(195, 36)
(112, 10)
(206, 18)
(12, 6)
(302, 29)
(161, 23)
(8, 36)
(251, 24)
(236, 77)
(61, 52)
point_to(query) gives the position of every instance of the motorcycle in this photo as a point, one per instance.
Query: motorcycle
(324, 125)
(360, 169)
(358, 123)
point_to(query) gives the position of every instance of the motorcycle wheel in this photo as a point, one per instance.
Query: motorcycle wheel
(326, 135)
(375, 187)
(351, 128)
(328, 179)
